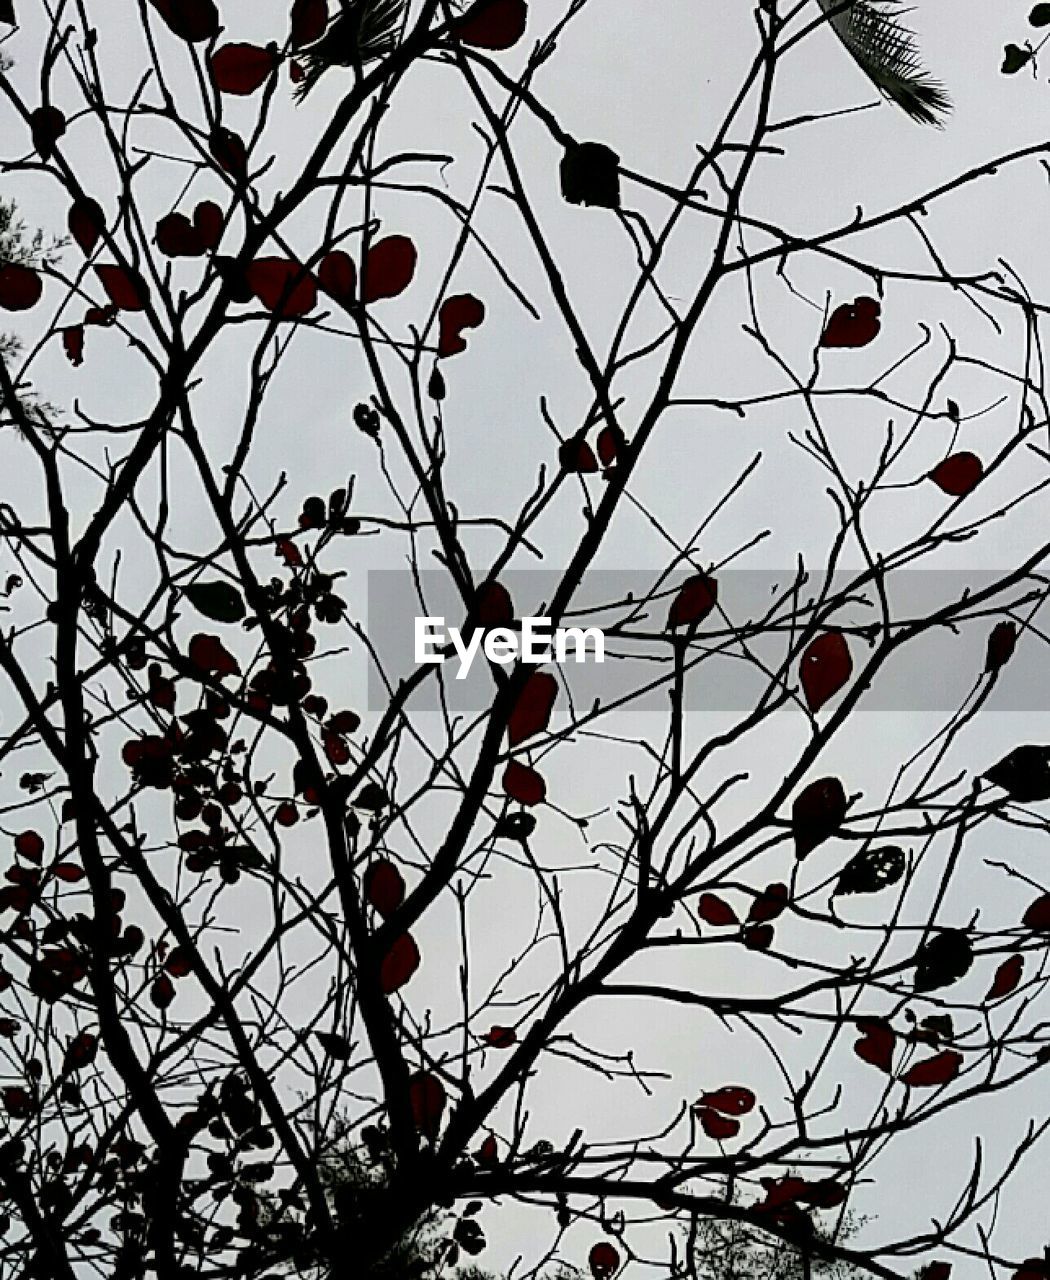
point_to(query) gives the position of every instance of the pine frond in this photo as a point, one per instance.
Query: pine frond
(888, 54)
(362, 31)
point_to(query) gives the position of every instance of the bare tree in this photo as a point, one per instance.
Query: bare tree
(296, 980)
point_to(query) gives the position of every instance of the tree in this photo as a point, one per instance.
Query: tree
(300, 977)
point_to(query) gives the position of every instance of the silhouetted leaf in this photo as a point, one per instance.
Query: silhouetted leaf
(940, 1069)
(590, 175)
(337, 276)
(1037, 917)
(731, 1100)
(854, 324)
(463, 311)
(124, 287)
(532, 711)
(603, 1260)
(47, 124)
(769, 904)
(86, 222)
(218, 600)
(576, 455)
(241, 68)
(493, 24)
(877, 1042)
(825, 668)
(388, 268)
(872, 870)
(715, 911)
(1040, 16)
(228, 151)
(943, 960)
(1024, 774)
(499, 1037)
(192, 20)
(523, 784)
(515, 826)
(426, 1095)
(817, 813)
(715, 1125)
(399, 963)
(209, 654)
(336, 1046)
(384, 887)
(284, 287)
(20, 287)
(1001, 644)
(958, 474)
(696, 598)
(73, 344)
(1007, 978)
(1014, 58)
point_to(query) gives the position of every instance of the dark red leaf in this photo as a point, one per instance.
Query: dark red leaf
(209, 654)
(124, 287)
(523, 784)
(610, 444)
(337, 276)
(487, 1153)
(101, 315)
(825, 667)
(1001, 644)
(713, 910)
(1007, 978)
(399, 963)
(162, 992)
(576, 455)
(936, 1271)
(68, 872)
(241, 68)
(309, 19)
(1037, 916)
(18, 1102)
(958, 474)
(603, 1260)
(384, 887)
(29, 845)
(853, 324)
(1033, 1269)
(286, 814)
(695, 600)
(73, 344)
(48, 124)
(388, 268)
(229, 152)
(877, 1043)
(177, 237)
(717, 1126)
(493, 606)
(817, 814)
(178, 963)
(193, 20)
(80, 1052)
(426, 1095)
(731, 1100)
(336, 747)
(782, 1191)
(20, 287)
(940, 1069)
(769, 904)
(825, 1193)
(461, 312)
(493, 24)
(532, 711)
(500, 1037)
(758, 937)
(207, 222)
(86, 222)
(282, 286)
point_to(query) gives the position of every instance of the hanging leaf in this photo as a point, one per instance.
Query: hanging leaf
(30, 845)
(770, 903)
(532, 711)
(20, 287)
(877, 1043)
(1007, 978)
(47, 125)
(426, 1096)
(493, 606)
(717, 1126)
(228, 151)
(399, 964)
(715, 911)
(242, 68)
(209, 654)
(336, 1046)
(577, 456)
(309, 19)
(523, 784)
(872, 870)
(463, 311)
(514, 826)
(124, 287)
(493, 24)
(284, 287)
(590, 175)
(1001, 644)
(337, 276)
(388, 268)
(501, 1037)
(162, 992)
(177, 237)
(384, 887)
(731, 1100)
(207, 222)
(1037, 917)
(611, 443)
(757, 937)
(942, 1068)
(68, 872)
(218, 600)
(1040, 16)
(371, 797)
(695, 600)
(86, 222)
(1024, 774)
(192, 20)
(73, 344)
(1014, 58)
(603, 1260)
(958, 474)
(80, 1052)
(854, 324)
(945, 959)
(817, 814)
(825, 668)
